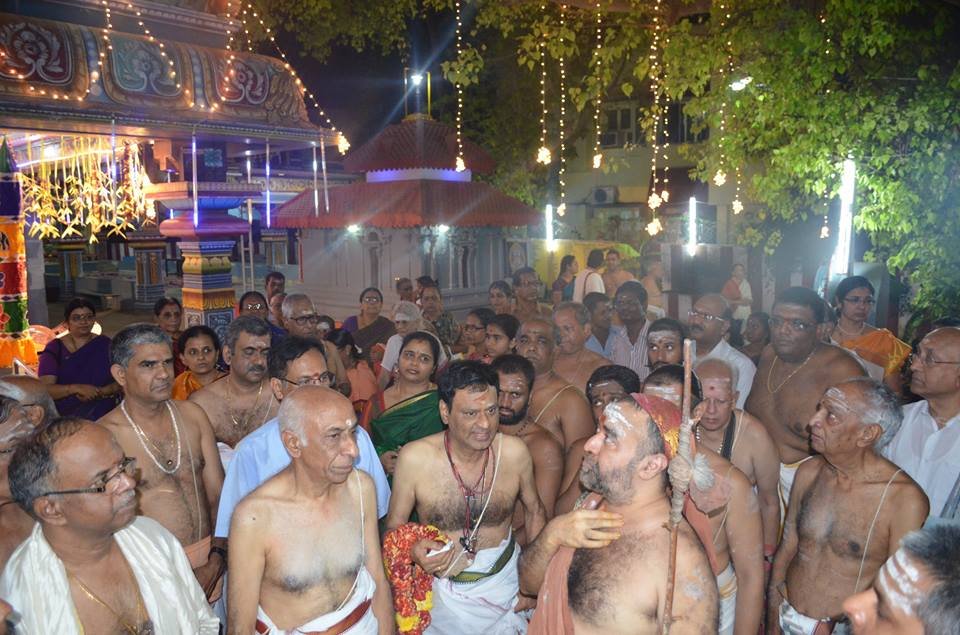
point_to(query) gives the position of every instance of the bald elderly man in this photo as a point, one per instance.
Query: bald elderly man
(305, 552)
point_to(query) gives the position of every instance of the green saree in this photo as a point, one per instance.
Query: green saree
(411, 419)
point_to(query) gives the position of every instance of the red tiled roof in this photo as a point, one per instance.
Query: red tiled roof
(412, 203)
(417, 143)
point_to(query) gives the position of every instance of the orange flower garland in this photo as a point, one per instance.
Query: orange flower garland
(412, 586)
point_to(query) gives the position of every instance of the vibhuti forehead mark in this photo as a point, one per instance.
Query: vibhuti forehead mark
(664, 337)
(840, 399)
(897, 579)
(614, 413)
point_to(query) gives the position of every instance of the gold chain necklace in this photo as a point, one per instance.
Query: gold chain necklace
(789, 377)
(246, 421)
(132, 629)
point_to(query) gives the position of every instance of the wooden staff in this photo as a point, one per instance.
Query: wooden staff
(679, 489)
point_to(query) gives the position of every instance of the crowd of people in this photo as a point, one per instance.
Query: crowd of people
(513, 472)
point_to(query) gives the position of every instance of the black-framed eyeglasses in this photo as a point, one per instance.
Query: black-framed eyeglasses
(709, 317)
(254, 307)
(304, 320)
(927, 360)
(127, 465)
(372, 299)
(324, 379)
(796, 325)
(83, 317)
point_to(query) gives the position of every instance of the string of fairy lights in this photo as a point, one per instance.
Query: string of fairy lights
(543, 152)
(656, 198)
(598, 102)
(561, 173)
(460, 164)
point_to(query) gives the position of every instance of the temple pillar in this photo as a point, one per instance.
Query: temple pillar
(149, 254)
(70, 257)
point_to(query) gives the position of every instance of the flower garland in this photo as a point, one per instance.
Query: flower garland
(412, 586)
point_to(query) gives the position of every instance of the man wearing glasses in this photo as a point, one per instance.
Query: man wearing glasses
(628, 343)
(927, 446)
(794, 373)
(179, 466)
(710, 320)
(294, 362)
(91, 564)
(301, 319)
(528, 289)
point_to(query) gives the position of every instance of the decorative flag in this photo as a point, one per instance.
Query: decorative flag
(15, 340)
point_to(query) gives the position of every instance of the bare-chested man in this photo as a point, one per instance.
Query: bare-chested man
(605, 570)
(574, 361)
(516, 378)
(555, 404)
(305, 543)
(180, 471)
(614, 275)
(848, 510)
(242, 401)
(15, 523)
(741, 439)
(731, 508)
(466, 481)
(793, 374)
(91, 565)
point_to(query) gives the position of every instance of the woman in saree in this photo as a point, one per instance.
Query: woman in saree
(881, 351)
(410, 407)
(76, 367)
(369, 327)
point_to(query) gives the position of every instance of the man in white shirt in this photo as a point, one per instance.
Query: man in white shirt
(928, 444)
(709, 320)
(589, 280)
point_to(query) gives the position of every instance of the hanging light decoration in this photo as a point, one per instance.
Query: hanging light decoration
(460, 165)
(561, 173)
(543, 152)
(655, 199)
(598, 102)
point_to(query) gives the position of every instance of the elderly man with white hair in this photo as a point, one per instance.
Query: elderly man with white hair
(33, 396)
(305, 548)
(300, 318)
(849, 508)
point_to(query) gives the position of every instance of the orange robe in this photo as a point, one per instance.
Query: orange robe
(880, 347)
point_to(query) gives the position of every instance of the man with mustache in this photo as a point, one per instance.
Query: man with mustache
(91, 565)
(516, 378)
(173, 443)
(15, 524)
(556, 404)
(710, 320)
(794, 373)
(574, 362)
(242, 401)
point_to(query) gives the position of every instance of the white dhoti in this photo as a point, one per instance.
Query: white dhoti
(788, 472)
(484, 607)
(366, 625)
(226, 454)
(793, 622)
(727, 585)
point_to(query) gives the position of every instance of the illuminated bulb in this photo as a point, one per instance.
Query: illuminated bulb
(342, 144)
(597, 158)
(544, 156)
(561, 209)
(654, 227)
(416, 78)
(461, 166)
(665, 196)
(443, 229)
(353, 229)
(824, 232)
(654, 201)
(736, 206)
(719, 178)
(740, 84)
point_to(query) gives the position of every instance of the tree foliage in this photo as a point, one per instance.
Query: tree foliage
(877, 81)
